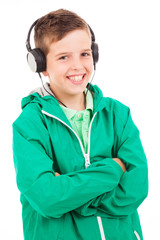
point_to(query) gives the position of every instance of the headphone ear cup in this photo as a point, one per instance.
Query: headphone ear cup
(36, 60)
(95, 52)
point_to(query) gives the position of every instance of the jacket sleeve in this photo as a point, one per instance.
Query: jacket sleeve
(132, 189)
(49, 195)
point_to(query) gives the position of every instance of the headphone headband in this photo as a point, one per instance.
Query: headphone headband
(28, 46)
(37, 60)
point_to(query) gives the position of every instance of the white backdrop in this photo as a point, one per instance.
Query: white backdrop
(128, 35)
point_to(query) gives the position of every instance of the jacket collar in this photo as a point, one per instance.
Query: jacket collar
(49, 104)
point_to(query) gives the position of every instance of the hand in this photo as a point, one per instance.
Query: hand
(57, 174)
(122, 165)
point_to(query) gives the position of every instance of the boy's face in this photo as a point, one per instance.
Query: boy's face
(70, 64)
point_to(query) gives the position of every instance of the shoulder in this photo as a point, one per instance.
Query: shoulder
(31, 117)
(117, 108)
(121, 115)
(110, 104)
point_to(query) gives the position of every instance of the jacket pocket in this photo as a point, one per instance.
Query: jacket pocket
(121, 227)
(134, 231)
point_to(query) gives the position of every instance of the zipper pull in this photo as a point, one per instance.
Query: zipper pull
(87, 160)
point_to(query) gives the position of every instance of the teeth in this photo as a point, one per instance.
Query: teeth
(76, 78)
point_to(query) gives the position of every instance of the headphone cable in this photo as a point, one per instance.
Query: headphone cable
(89, 84)
(49, 92)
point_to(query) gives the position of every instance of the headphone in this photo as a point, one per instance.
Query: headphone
(37, 60)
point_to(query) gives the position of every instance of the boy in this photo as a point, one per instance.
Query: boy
(80, 165)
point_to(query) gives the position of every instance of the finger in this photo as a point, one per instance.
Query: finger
(57, 174)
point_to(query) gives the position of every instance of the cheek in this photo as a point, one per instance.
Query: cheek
(56, 70)
(89, 63)
(89, 66)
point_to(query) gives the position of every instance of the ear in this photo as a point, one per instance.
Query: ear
(45, 73)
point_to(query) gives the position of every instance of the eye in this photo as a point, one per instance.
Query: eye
(86, 54)
(63, 58)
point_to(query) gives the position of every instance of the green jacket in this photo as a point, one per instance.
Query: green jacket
(92, 199)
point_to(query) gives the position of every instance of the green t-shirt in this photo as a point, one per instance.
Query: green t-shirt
(80, 120)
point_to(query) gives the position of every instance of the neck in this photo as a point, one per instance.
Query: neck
(77, 102)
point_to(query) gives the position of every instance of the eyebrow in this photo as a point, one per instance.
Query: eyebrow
(65, 53)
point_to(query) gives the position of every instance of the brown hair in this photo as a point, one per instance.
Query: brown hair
(54, 26)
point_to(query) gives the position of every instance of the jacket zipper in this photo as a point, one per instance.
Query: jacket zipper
(86, 156)
(87, 162)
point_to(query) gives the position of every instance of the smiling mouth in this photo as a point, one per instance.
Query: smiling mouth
(76, 78)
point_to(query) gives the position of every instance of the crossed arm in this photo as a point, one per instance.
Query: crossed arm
(110, 190)
(121, 164)
(132, 188)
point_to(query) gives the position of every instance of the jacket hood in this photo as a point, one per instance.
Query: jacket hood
(43, 96)
(37, 95)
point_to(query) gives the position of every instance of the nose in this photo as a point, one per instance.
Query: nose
(76, 63)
